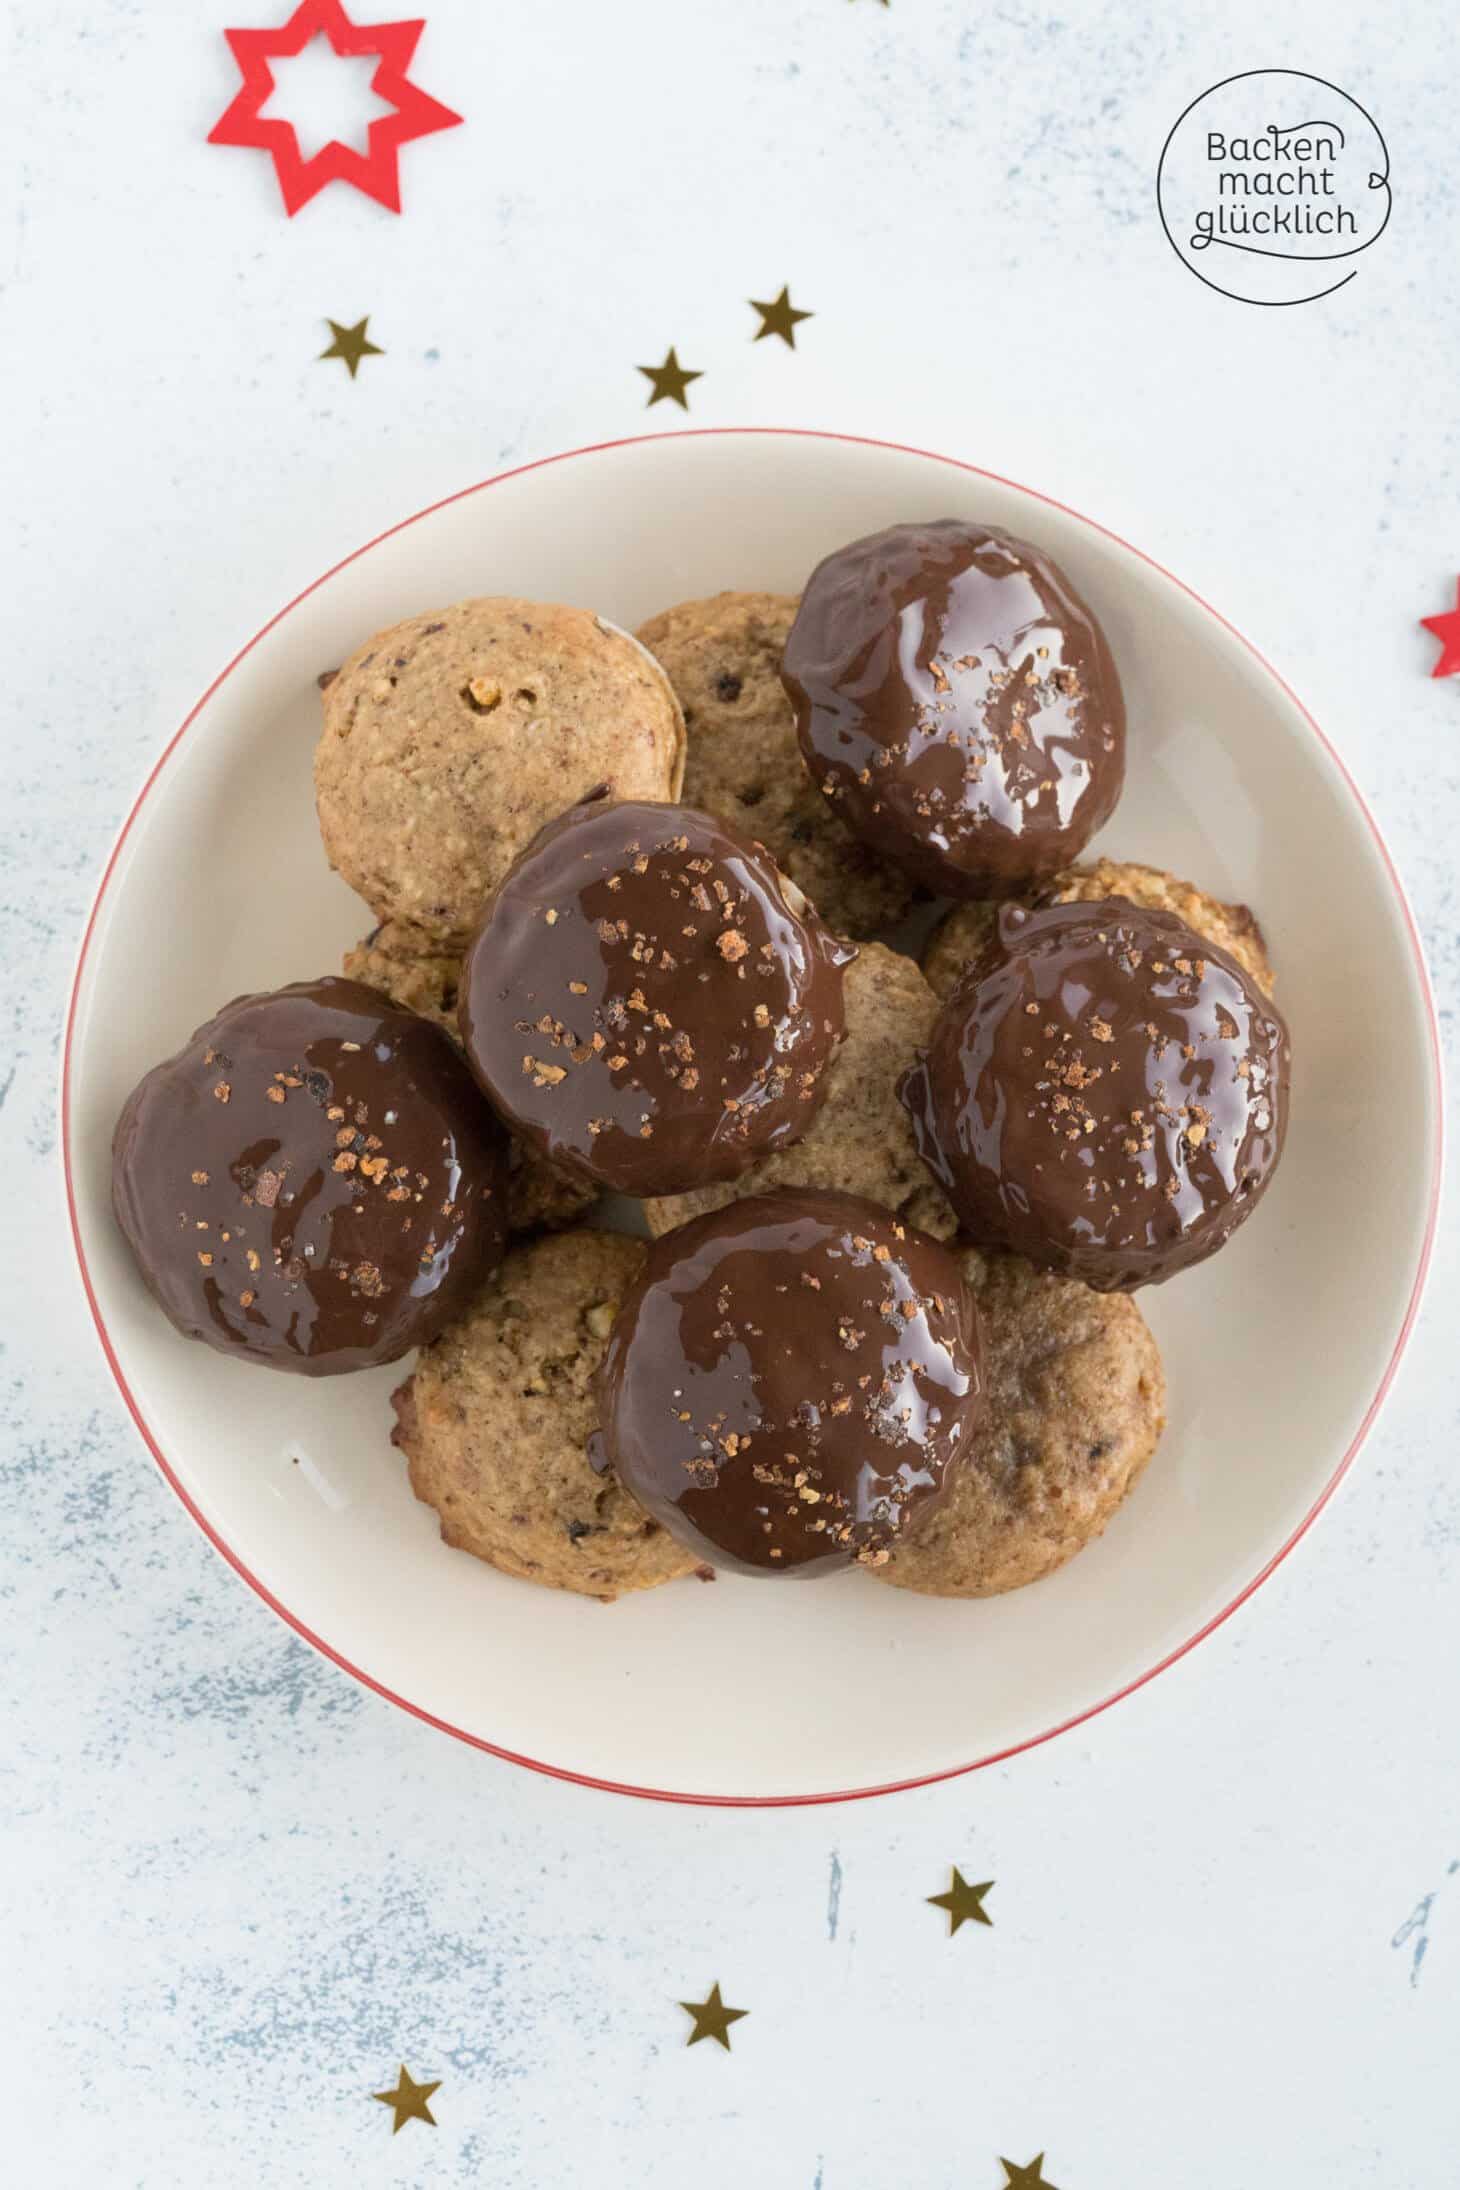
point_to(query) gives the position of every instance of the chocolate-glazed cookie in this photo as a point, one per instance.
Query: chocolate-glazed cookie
(312, 1181)
(1105, 1092)
(789, 1379)
(958, 702)
(649, 1001)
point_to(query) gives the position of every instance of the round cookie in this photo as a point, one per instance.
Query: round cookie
(968, 929)
(495, 1423)
(649, 1001)
(958, 700)
(1105, 1092)
(1077, 1400)
(791, 1381)
(417, 971)
(312, 1182)
(743, 764)
(451, 739)
(860, 1141)
(423, 975)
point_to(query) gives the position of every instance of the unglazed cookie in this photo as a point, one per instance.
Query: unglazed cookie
(1077, 1404)
(417, 971)
(968, 929)
(860, 1141)
(496, 1419)
(450, 739)
(1105, 1092)
(423, 975)
(957, 699)
(649, 1001)
(313, 1181)
(790, 1381)
(743, 764)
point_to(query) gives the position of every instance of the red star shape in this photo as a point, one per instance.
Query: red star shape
(1447, 630)
(376, 172)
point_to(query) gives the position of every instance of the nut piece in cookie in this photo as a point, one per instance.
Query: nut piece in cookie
(790, 1381)
(958, 701)
(313, 1181)
(649, 1001)
(969, 929)
(744, 766)
(423, 975)
(860, 1141)
(1077, 1404)
(1105, 1092)
(496, 1419)
(451, 739)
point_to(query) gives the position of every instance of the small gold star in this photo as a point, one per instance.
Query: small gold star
(351, 343)
(963, 1902)
(1031, 2177)
(780, 317)
(669, 381)
(712, 2018)
(409, 2100)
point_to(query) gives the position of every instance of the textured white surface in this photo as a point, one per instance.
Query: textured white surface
(235, 1890)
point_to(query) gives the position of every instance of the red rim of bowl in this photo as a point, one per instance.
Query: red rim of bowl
(851, 1794)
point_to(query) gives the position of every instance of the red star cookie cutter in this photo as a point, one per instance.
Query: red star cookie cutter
(1447, 630)
(376, 172)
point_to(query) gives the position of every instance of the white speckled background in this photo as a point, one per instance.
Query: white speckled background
(236, 1890)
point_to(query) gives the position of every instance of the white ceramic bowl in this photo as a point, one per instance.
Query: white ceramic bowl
(1278, 1351)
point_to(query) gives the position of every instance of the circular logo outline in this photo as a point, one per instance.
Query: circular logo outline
(1275, 303)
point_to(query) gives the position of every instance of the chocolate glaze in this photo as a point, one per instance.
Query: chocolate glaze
(1105, 1093)
(958, 702)
(649, 1001)
(313, 1181)
(789, 1380)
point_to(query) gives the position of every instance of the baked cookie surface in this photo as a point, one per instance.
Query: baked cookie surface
(450, 739)
(496, 1419)
(423, 974)
(861, 1140)
(968, 929)
(1077, 1400)
(743, 764)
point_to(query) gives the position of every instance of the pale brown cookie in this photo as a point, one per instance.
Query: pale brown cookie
(495, 1422)
(960, 936)
(416, 970)
(422, 973)
(860, 1141)
(963, 933)
(1077, 1401)
(450, 740)
(744, 766)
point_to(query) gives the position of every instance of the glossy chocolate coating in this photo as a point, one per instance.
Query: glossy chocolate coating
(957, 701)
(789, 1379)
(649, 1001)
(313, 1181)
(1105, 1093)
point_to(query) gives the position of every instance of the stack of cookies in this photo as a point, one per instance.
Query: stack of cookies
(636, 905)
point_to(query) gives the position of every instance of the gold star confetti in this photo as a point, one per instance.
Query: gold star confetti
(409, 2100)
(963, 1902)
(712, 2019)
(351, 344)
(668, 381)
(780, 317)
(1031, 2177)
